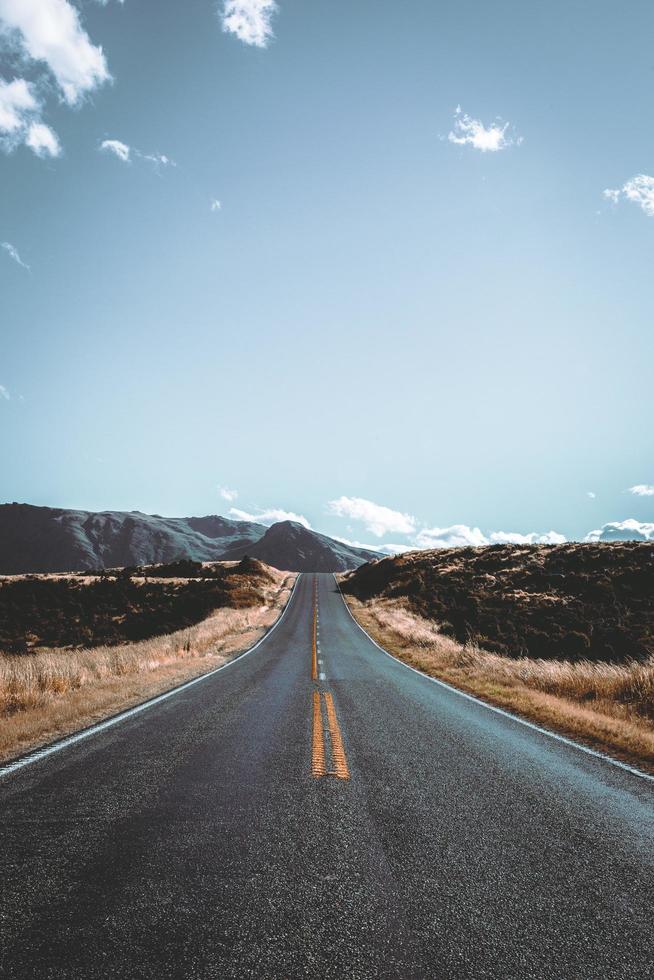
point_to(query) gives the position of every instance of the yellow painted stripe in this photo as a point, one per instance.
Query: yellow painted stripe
(318, 767)
(338, 752)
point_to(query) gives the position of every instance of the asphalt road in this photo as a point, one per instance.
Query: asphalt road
(200, 838)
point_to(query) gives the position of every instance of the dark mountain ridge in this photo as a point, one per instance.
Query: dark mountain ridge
(292, 547)
(49, 539)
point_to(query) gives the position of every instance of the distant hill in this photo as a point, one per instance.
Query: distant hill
(292, 547)
(48, 539)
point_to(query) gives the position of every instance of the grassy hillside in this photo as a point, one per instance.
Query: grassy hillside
(124, 606)
(570, 602)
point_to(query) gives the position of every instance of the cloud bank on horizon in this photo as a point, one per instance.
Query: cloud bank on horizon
(381, 521)
(629, 530)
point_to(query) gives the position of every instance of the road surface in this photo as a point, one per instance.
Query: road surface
(365, 823)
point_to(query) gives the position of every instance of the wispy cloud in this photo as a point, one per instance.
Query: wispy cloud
(125, 153)
(158, 159)
(472, 132)
(20, 120)
(268, 517)
(12, 252)
(591, 494)
(378, 520)
(50, 32)
(629, 530)
(228, 494)
(642, 490)
(118, 148)
(215, 204)
(249, 20)
(639, 190)
(4, 393)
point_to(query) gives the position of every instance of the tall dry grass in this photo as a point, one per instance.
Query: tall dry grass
(607, 705)
(52, 692)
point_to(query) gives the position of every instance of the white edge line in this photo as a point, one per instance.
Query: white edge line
(27, 760)
(501, 711)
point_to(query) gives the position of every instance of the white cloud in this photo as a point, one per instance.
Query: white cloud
(639, 190)
(20, 120)
(4, 393)
(215, 205)
(42, 140)
(512, 537)
(378, 520)
(629, 530)
(270, 516)
(17, 104)
(456, 536)
(228, 494)
(119, 149)
(642, 490)
(589, 493)
(49, 31)
(13, 253)
(125, 153)
(485, 138)
(249, 20)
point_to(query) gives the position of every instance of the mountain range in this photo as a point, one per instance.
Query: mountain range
(48, 539)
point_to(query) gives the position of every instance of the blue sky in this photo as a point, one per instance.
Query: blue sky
(387, 268)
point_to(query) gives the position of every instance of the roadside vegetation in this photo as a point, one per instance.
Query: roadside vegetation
(599, 688)
(115, 606)
(48, 692)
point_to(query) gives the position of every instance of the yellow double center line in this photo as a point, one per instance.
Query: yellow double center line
(318, 753)
(318, 757)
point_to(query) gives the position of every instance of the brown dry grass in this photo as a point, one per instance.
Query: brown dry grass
(607, 706)
(51, 693)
